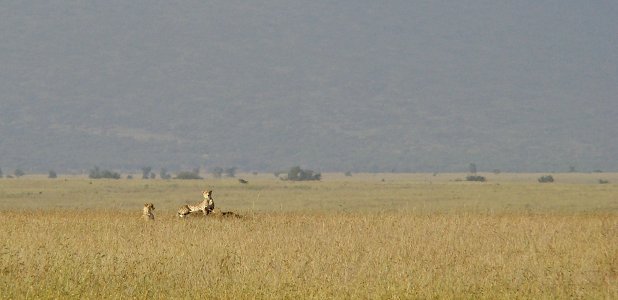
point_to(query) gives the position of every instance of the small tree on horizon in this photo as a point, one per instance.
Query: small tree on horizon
(164, 175)
(472, 168)
(217, 172)
(146, 172)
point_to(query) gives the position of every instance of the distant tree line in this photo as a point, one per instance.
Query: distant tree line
(189, 175)
(295, 173)
(164, 174)
(219, 172)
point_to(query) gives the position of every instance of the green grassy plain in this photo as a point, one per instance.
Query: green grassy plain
(365, 236)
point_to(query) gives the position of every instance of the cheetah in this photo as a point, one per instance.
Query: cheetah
(206, 206)
(147, 214)
(218, 213)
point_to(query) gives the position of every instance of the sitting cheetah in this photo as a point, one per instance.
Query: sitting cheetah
(147, 214)
(206, 206)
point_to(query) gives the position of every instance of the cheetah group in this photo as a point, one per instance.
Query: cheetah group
(206, 207)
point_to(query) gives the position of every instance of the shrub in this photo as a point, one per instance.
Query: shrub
(603, 181)
(298, 174)
(546, 179)
(97, 173)
(475, 178)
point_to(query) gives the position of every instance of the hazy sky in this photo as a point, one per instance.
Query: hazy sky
(358, 85)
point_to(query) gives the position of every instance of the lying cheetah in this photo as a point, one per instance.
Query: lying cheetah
(206, 206)
(147, 214)
(225, 214)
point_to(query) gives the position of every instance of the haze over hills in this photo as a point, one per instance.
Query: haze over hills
(420, 86)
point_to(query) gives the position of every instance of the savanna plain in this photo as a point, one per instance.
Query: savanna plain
(366, 236)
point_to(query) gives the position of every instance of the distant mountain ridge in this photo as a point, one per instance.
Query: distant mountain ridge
(345, 86)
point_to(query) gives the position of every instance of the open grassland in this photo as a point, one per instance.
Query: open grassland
(409, 236)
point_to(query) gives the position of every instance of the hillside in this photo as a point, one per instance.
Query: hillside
(351, 85)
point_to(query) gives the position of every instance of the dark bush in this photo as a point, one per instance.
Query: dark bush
(546, 179)
(298, 174)
(475, 178)
(97, 173)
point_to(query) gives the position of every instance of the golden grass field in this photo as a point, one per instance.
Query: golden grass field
(384, 236)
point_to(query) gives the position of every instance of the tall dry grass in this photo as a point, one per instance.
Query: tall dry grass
(70, 254)
(355, 237)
